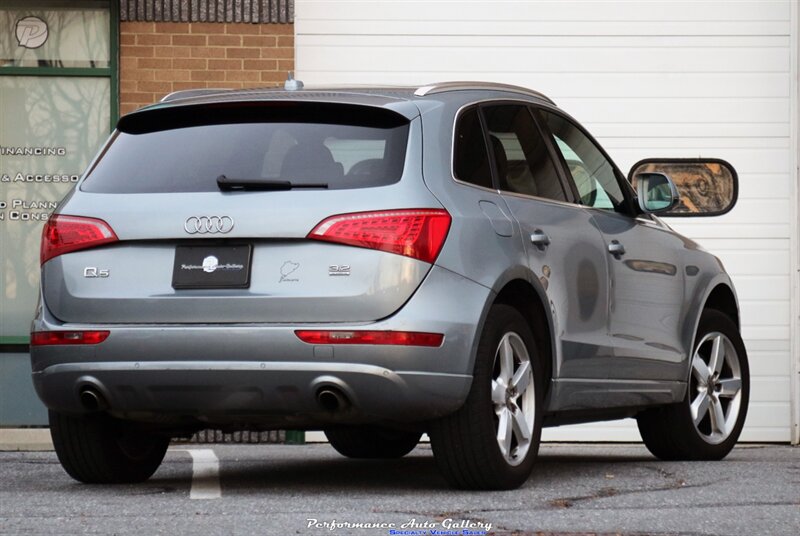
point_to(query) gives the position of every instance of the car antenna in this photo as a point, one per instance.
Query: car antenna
(291, 84)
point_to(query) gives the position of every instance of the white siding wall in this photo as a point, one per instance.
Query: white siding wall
(795, 241)
(648, 79)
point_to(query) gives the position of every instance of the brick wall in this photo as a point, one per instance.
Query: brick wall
(157, 58)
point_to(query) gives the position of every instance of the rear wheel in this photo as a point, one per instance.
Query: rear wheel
(492, 441)
(707, 424)
(96, 449)
(372, 441)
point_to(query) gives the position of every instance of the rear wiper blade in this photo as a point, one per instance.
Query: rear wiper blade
(228, 184)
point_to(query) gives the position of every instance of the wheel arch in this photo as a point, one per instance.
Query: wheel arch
(723, 299)
(719, 295)
(524, 297)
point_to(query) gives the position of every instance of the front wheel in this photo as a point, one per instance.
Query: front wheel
(96, 449)
(707, 424)
(492, 441)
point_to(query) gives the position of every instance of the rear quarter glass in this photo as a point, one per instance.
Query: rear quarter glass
(184, 150)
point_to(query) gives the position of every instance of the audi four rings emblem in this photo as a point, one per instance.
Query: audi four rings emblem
(208, 224)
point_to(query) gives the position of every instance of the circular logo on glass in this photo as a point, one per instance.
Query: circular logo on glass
(31, 32)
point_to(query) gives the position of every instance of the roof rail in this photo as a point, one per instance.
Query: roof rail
(186, 93)
(441, 87)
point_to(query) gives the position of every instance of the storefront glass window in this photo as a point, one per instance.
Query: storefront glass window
(58, 89)
(50, 128)
(54, 37)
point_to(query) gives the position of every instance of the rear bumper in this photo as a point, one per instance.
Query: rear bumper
(262, 373)
(226, 392)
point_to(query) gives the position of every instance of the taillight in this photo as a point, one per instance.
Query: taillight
(393, 338)
(417, 233)
(63, 234)
(51, 338)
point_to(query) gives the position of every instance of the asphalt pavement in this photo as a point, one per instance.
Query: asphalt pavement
(310, 489)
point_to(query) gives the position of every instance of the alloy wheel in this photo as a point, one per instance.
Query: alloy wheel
(513, 398)
(715, 387)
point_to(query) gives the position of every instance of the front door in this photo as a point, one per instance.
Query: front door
(646, 275)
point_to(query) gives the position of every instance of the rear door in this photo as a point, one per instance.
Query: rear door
(192, 252)
(644, 261)
(564, 249)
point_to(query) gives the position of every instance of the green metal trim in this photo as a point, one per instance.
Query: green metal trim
(295, 437)
(15, 339)
(85, 72)
(114, 57)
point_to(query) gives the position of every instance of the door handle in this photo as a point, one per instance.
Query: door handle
(616, 249)
(540, 240)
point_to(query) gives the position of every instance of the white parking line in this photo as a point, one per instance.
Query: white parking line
(205, 474)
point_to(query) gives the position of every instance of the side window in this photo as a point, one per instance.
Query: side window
(470, 159)
(523, 163)
(592, 173)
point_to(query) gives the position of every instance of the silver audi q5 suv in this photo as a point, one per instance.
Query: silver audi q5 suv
(461, 259)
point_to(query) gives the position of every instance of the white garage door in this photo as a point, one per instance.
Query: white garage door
(648, 79)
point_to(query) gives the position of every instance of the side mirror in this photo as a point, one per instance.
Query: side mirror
(656, 192)
(705, 186)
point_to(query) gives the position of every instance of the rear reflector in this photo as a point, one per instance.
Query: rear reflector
(416, 233)
(64, 234)
(52, 338)
(393, 338)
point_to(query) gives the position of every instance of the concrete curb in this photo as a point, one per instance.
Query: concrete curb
(16, 439)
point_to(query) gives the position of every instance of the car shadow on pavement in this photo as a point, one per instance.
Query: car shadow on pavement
(413, 472)
(317, 469)
(417, 471)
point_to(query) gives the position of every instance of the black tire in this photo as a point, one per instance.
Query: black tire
(372, 442)
(96, 449)
(465, 443)
(670, 433)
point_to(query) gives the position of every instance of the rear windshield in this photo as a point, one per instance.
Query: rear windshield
(166, 150)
